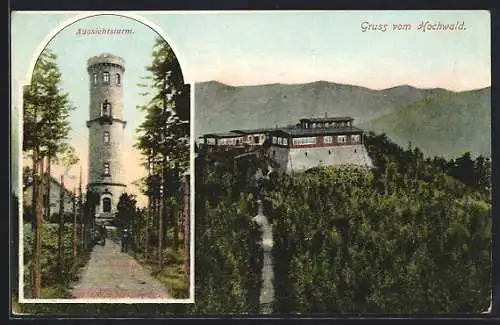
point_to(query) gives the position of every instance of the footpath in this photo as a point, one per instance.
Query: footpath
(113, 274)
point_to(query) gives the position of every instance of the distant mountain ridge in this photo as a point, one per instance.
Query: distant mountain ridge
(446, 125)
(220, 107)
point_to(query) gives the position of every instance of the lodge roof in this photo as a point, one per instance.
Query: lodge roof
(252, 131)
(317, 131)
(327, 119)
(223, 135)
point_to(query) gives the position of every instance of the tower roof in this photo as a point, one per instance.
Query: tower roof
(106, 58)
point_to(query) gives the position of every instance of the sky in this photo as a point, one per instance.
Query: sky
(250, 48)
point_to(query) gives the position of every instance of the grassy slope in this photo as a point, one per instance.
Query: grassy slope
(447, 125)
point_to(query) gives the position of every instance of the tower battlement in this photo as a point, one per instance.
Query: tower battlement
(106, 58)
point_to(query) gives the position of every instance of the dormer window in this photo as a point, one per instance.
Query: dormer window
(107, 172)
(106, 108)
(118, 79)
(95, 78)
(105, 77)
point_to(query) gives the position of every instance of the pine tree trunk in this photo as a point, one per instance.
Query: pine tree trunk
(48, 181)
(80, 213)
(84, 230)
(160, 233)
(74, 234)
(175, 215)
(61, 230)
(37, 252)
(186, 225)
(34, 188)
(148, 213)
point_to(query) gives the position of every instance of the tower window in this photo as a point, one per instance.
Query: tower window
(106, 204)
(106, 137)
(118, 79)
(106, 169)
(106, 108)
(95, 78)
(105, 77)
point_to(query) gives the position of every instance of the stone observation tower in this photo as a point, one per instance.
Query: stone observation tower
(106, 123)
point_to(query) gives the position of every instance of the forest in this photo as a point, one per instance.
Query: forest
(411, 236)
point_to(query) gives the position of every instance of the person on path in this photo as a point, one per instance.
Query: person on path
(125, 238)
(102, 235)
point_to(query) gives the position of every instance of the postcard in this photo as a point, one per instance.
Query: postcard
(252, 163)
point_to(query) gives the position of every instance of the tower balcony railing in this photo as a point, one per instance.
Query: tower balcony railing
(106, 119)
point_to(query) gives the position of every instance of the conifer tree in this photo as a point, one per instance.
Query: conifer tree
(46, 127)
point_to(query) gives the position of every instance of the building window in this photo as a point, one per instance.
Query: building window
(106, 169)
(285, 141)
(118, 79)
(106, 108)
(355, 138)
(314, 125)
(256, 139)
(341, 139)
(106, 137)
(275, 140)
(105, 77)
(327, 139)
(95, 78)
(274, 153)
(303, 141)
(280, 140)
(106, 204)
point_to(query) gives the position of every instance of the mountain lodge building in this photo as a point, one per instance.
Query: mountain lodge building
(328, 141)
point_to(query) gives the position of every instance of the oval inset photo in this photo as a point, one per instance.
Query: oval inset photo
(105, 168)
